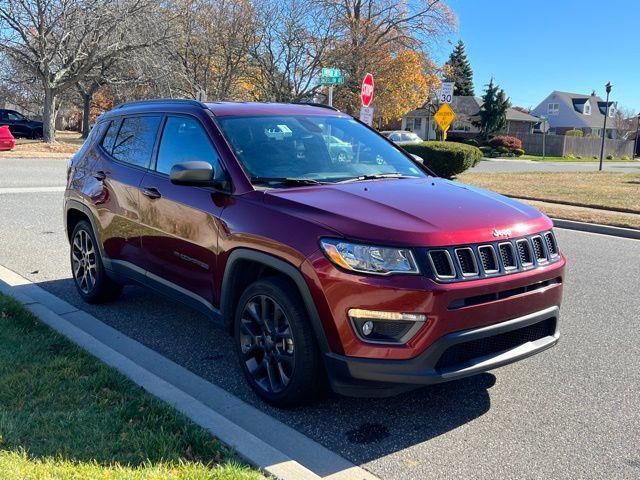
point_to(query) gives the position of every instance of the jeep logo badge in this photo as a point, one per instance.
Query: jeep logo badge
(502, 233)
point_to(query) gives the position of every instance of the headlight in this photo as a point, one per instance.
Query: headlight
(369, 258)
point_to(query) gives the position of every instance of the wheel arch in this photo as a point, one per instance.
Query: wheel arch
(76, 211)
(234, 279)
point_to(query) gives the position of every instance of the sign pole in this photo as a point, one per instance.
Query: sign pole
(331, 95)
(544, 136)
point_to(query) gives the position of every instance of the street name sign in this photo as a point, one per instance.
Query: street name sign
(331, 76)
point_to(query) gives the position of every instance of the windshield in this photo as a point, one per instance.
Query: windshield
(313, 148)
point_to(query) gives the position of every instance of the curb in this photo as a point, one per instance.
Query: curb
(266, 443)
(597, 228)
(576, 204)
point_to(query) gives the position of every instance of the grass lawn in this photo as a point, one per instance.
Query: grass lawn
(538, 158)
(64, 414)
(588, 189)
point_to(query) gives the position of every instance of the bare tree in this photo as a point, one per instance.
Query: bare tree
(209, 51)
(61, 41)
(369, 26)
(293, 40)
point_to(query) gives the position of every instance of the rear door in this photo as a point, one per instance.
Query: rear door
(182, 223)
(125, 156)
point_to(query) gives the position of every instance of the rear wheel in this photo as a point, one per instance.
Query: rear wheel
(275, 343)
(92, 282)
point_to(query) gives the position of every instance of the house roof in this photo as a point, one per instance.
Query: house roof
(470, 106)
(577, 100)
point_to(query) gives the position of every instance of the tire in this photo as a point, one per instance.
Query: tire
(87, 269)
(278, 352)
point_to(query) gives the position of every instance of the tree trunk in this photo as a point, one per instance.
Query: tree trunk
(86, 112)
(49, 115)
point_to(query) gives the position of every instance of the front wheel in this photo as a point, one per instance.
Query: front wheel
(92, 282)
(276, 345)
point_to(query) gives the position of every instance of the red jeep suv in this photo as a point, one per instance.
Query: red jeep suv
(324, 249)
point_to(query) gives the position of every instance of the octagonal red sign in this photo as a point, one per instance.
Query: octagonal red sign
(366, 93)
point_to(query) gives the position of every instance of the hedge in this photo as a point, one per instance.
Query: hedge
(574, 133)
(446, 159)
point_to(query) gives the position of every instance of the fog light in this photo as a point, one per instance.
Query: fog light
(367, 327)
(385, 327)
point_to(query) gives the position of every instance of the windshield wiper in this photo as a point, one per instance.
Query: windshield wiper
(287, 180)
(375, 176)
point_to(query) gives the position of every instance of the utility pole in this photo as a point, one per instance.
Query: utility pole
(604, 129)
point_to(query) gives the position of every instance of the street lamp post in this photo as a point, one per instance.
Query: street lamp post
(604, 128)
(637, 144)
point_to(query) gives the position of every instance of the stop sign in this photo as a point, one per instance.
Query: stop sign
(366, 93)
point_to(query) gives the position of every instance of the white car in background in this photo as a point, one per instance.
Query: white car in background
(400, 137)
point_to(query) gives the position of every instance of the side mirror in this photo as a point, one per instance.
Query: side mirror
(417, 158)
(192, 173)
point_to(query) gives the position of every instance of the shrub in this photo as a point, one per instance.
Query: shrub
(471, 141)
(574, 133)
(446, 159)
(609, 157)
(518, 152)
(595, 157)
(486, 150)
(625, 158)
(510, 143)
(503, 149)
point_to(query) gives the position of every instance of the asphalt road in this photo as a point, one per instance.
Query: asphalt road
(531, 166)
(571, 412)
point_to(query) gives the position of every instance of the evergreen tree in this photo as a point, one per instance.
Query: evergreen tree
(493, 113)
(460, 71)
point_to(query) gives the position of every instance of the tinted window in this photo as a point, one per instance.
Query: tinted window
(110, 137)
(15, 116)
(135, 140)
(184, 140)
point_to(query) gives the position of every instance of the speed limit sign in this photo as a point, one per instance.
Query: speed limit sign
(446, 92)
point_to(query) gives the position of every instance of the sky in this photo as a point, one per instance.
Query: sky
(531, 48)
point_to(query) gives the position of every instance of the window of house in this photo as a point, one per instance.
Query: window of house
(553, 108)
(417, 123)
(135, 140)
(185, 140)
(587, 108)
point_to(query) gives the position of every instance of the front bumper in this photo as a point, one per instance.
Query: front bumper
(453, 356)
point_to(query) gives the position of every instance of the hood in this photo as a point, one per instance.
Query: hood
(411, 212)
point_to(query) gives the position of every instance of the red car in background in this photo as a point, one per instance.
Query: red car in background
(7, 142)
(366, 270)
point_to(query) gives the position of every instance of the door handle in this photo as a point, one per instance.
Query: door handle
(151, 192)
(100, 175)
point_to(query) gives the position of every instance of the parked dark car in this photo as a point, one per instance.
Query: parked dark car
(20, 125)
(368, 270)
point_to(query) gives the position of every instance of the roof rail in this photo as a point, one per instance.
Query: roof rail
(316, 104)
(159, 101)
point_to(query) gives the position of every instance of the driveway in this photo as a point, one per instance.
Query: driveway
(571, 412)
(493, 165)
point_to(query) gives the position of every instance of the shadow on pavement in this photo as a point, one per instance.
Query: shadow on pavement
(361, 430)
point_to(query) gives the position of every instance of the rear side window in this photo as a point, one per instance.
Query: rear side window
(135, 140)
(110, 137)
(183, 140)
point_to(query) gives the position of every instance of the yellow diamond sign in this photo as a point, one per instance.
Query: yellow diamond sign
(444, 116)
